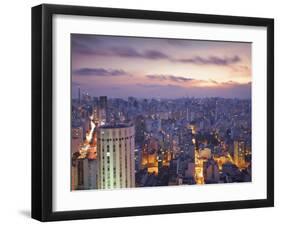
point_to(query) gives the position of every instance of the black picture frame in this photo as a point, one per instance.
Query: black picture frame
(42, 107)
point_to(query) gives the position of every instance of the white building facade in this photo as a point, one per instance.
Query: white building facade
(115, 151)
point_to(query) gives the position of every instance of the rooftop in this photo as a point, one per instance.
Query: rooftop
(115, 126)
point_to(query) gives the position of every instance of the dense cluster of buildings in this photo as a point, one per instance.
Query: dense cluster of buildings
(118, 143)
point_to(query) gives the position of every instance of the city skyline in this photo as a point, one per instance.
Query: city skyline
(142, 143)
(160, 68)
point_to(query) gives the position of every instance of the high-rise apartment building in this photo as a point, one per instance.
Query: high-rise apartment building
(239, 153)
(103, 117)
(77, 139)
(211, 171)
(116, 157)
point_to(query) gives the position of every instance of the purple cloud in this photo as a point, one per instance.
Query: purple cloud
(98, 46)
(157, 77)
(83, 48)
(172, 78)
(179, 79)
(211, 60)
(83, 44)
(154, 54)
(213, 81)
(131, 52)
(124, 52)
(99, 72)
(76, 83)
(152, 86)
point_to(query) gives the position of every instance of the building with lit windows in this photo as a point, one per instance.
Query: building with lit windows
(150, 161)
(79, 174)
(205, 153)
(239, 153)
(116, 157)
(77, 139)
(103, 114)
(211, 171)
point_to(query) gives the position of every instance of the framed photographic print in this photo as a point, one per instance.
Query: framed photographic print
(145, 112)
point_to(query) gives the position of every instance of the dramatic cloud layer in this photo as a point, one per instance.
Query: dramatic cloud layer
(151, 54)
(119, 66)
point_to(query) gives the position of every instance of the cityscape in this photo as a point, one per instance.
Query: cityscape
(133, 125)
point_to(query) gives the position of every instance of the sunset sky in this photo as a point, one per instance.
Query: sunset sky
(160, 68)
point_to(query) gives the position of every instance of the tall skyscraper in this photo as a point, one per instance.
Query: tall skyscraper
(77, 139)
(82, 174)
(79, 95)
(140, 129)
(188, 114)
(239, 153)
(116, 157)
(92, 168)
(211, 171)
(103, 114)
(103, 101)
